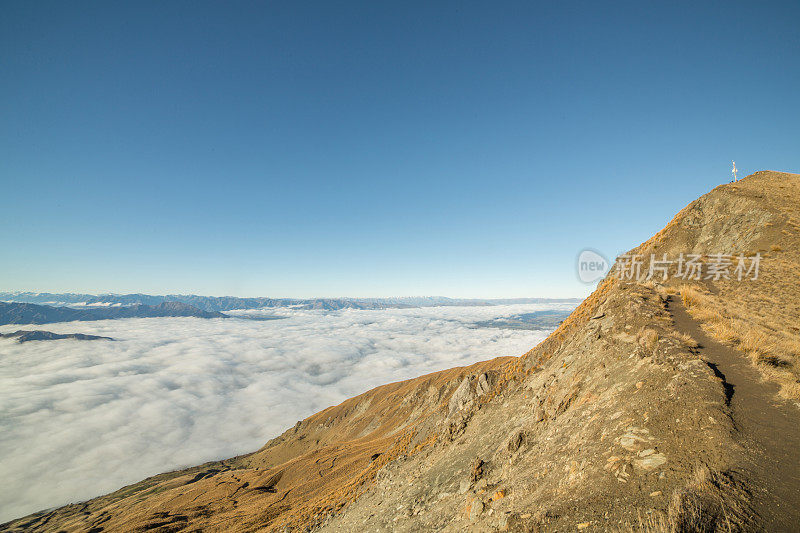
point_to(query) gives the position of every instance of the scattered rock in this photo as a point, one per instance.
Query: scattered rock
(461, 396)
(476, 472)
(516, 441)
(651, 461)
(483, 385)
(475, 509)
(629, 441)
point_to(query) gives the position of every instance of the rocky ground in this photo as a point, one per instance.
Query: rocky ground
(594, 435)
(630, 416)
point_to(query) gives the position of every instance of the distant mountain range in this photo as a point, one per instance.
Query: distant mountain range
(41, 335)
(228, 303)
(28, 313)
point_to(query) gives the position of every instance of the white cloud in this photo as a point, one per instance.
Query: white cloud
(83, 418)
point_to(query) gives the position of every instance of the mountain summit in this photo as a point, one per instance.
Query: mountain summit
(661, 404)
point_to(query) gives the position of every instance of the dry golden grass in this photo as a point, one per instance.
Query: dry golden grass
(691, 297)
(776, 352)
(710, 502)
(654, 523)
(688, 340)
(648, 339)
(722, 329)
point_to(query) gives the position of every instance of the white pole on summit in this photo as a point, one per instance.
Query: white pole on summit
(734, 171)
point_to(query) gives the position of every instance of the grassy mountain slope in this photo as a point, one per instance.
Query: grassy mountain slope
(618, 420)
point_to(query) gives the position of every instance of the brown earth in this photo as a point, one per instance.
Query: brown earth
(628, 417)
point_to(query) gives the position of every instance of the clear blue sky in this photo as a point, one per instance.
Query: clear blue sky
(372, 148)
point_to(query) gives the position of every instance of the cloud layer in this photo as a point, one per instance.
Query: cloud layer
(80, 419)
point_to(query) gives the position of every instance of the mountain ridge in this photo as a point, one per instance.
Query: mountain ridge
(621, 418)
(229, 303)
(22, 336)
(26, 313)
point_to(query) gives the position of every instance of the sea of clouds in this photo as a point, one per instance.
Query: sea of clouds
(83, 418)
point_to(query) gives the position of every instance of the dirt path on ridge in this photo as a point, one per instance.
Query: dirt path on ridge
(767, 428)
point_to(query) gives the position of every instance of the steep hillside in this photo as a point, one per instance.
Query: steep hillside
(629, 416)
(757, 215)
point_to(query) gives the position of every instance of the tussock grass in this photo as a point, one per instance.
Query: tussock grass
(721, 329)
(653, 523)
(688, 340)
(776, 352)
(648, 339)
(710, 502)
(691, 297)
